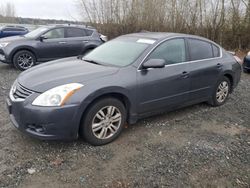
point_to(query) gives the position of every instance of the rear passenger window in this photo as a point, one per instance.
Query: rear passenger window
(200, 49)
(7, 29)
(172, 51)
(13, 29)
(88, 32)
(216, 51)
(75, 32)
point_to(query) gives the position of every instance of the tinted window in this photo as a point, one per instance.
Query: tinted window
(172, 51)
(200, 49)
(55, 33)
(18, 29)
(7, 29)
(216, 51)
(88, 32)
(75, 32)
(13, 29)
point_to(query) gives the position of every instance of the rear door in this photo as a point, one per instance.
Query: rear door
(77, 38)
(54, 45)
(164, 87)
(204, 67)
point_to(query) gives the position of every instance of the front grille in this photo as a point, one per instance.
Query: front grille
(21, 92)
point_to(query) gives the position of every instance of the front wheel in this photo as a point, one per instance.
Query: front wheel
(103, 122)
(24, 60)
(221, 92)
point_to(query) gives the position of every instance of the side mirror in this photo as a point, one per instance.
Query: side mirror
(80, 56)
(154, 63)
(42, 38)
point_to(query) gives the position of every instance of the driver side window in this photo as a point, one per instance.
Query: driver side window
(172, 51)
(55, 34)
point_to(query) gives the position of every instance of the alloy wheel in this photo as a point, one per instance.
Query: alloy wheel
(25, 61)
(106, 122)
(222, 92)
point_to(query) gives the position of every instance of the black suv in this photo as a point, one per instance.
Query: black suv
(12, 30)
(48, 43)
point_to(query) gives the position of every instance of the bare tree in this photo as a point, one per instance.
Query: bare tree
(224, 21)
(7, 12)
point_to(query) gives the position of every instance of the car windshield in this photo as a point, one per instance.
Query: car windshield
(37, 32)
(117, 52)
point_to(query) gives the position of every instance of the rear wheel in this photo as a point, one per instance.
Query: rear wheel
(103, 122)
(24, 60)
(221, 92)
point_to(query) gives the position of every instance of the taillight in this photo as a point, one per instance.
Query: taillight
(103, 38)
(238, 59)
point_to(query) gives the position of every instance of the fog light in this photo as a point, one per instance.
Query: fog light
(36, 128)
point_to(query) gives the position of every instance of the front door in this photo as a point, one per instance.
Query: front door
(54, 46)
(164, 87)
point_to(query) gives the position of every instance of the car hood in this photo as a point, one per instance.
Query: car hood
(14, 39)
(70, 70)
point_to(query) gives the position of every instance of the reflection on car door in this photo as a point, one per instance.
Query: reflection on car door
(204, 68)
(165, 87)
(54, 45)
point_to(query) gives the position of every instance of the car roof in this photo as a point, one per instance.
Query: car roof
(162, 35)
(70, 26)
(13, 26)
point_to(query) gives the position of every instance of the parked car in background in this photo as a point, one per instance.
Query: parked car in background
(246, 63)
(11, 30)
(48, 43)
(126, 79)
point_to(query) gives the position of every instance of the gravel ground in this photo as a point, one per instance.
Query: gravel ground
(198, 146)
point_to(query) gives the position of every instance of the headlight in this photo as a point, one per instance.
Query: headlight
(3, 44)
(57, 96)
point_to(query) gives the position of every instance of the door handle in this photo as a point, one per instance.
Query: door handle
(219, 65)
(62, 42)
(85, 41)
(185, 74)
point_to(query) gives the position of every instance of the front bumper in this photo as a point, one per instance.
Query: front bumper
(45, 123)
(3, 57)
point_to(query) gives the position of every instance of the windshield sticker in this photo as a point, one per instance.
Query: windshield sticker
(146, 41)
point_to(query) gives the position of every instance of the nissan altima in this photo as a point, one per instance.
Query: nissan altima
(129, 78)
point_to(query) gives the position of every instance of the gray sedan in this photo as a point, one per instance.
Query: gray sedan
(124, 80)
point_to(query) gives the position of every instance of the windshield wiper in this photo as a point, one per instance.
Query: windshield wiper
(91, 61)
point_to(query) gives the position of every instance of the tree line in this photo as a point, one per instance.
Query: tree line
(7, 12)
(224, 21)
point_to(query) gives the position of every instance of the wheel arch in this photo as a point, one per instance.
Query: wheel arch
(90, 47)
(121, 96)
(21, 49)
(231, 79)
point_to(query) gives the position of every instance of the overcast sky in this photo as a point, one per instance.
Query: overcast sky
(47, 9)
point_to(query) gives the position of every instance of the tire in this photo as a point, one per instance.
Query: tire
(24, 60)
(106, 128)
(221, 92)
